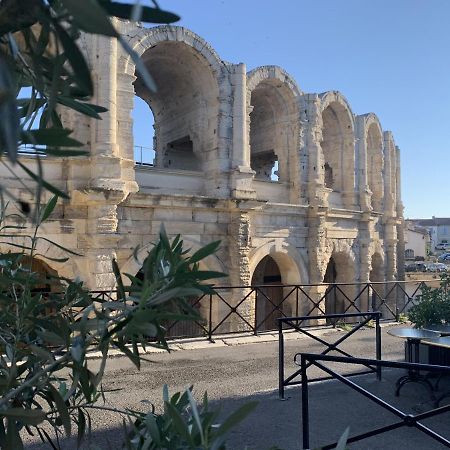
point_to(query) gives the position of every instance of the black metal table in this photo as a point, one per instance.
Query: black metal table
(442, 329)
(441, 342)
(413, 338)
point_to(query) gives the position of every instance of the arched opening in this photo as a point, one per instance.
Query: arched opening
(338, 152)
(375, 165)
(390, 165)
(272, 130)
(377, 276)
(338, 298)
(46, 280)
(409, 253)
(36, 277)
(185, 106)
(269, 296)
(143, 133)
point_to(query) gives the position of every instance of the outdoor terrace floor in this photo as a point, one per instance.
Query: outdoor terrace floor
(234, 371)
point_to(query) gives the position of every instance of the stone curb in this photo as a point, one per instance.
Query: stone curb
(230, 341)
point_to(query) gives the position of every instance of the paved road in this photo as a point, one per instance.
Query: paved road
(233, 374)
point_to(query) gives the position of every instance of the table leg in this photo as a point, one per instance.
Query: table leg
(413, 376)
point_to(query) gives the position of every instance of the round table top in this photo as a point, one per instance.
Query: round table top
(413, 333)
(438, 342)
(442, 328)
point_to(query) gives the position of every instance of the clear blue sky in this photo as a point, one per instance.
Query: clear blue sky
(390, 57)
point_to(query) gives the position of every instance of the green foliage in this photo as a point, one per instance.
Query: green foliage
(183, 425)
(46, 381)
(344, 326)
(42, 333)
(433, 306)
(42, 67)
(403, 318)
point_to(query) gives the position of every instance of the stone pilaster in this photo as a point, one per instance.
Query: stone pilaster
(312, 155)
(240, 275)
(241, 172)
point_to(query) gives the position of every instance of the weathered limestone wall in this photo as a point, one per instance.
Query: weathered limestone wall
(219, 130)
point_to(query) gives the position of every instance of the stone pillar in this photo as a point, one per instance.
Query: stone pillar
(389, 206)
(319, 252)
(108, 170)
(312, 155)
(242, 174)
(365, 261)
(364, 193)
(100, 241)
(239, 274)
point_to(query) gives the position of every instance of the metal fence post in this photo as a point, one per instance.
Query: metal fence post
(378, 343)
(210, 319)
(305, 405)
(280, 360)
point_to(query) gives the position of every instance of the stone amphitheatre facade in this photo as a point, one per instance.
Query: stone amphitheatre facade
(332, 212)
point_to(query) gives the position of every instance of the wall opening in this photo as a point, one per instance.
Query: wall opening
(143, 133)
(338, 148)
(269, 296)
(340, 269)
(185, 107)
(265, 165)
(179, 154)
(273, 124)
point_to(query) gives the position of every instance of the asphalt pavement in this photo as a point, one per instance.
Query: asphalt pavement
(236, 370)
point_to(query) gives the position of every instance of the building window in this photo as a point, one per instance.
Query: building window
(409, 253)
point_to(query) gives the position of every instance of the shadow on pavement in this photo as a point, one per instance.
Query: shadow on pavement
(333, 407)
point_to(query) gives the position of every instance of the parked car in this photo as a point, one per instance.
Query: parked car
(444, 257)
(411, 268)
(443, 246)
(437, 267)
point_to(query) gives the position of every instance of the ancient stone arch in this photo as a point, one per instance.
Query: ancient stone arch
(190, 105)
(291, 263)
(338, 147)
(51, 255)
(283, 259)
(206, 110)
(372, 160)
(273, 109)
(341, 268)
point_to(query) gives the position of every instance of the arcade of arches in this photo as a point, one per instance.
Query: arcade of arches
(221, 133)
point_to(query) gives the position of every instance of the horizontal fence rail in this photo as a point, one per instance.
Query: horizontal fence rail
(296, 323)
(257, 308)
(406, 420)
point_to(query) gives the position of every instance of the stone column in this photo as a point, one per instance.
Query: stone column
(364, 194)
(100, 241)
(311, 152)
(240, 275)
(365, 262)
(348, 166)
(242, 173)
(389, 206)
(106, 164)
(319, 252)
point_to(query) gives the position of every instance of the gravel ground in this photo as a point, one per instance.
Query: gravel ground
(234, 374)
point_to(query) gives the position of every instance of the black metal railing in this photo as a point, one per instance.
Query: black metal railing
(406, 420)
(256, 309)
(295, 323)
